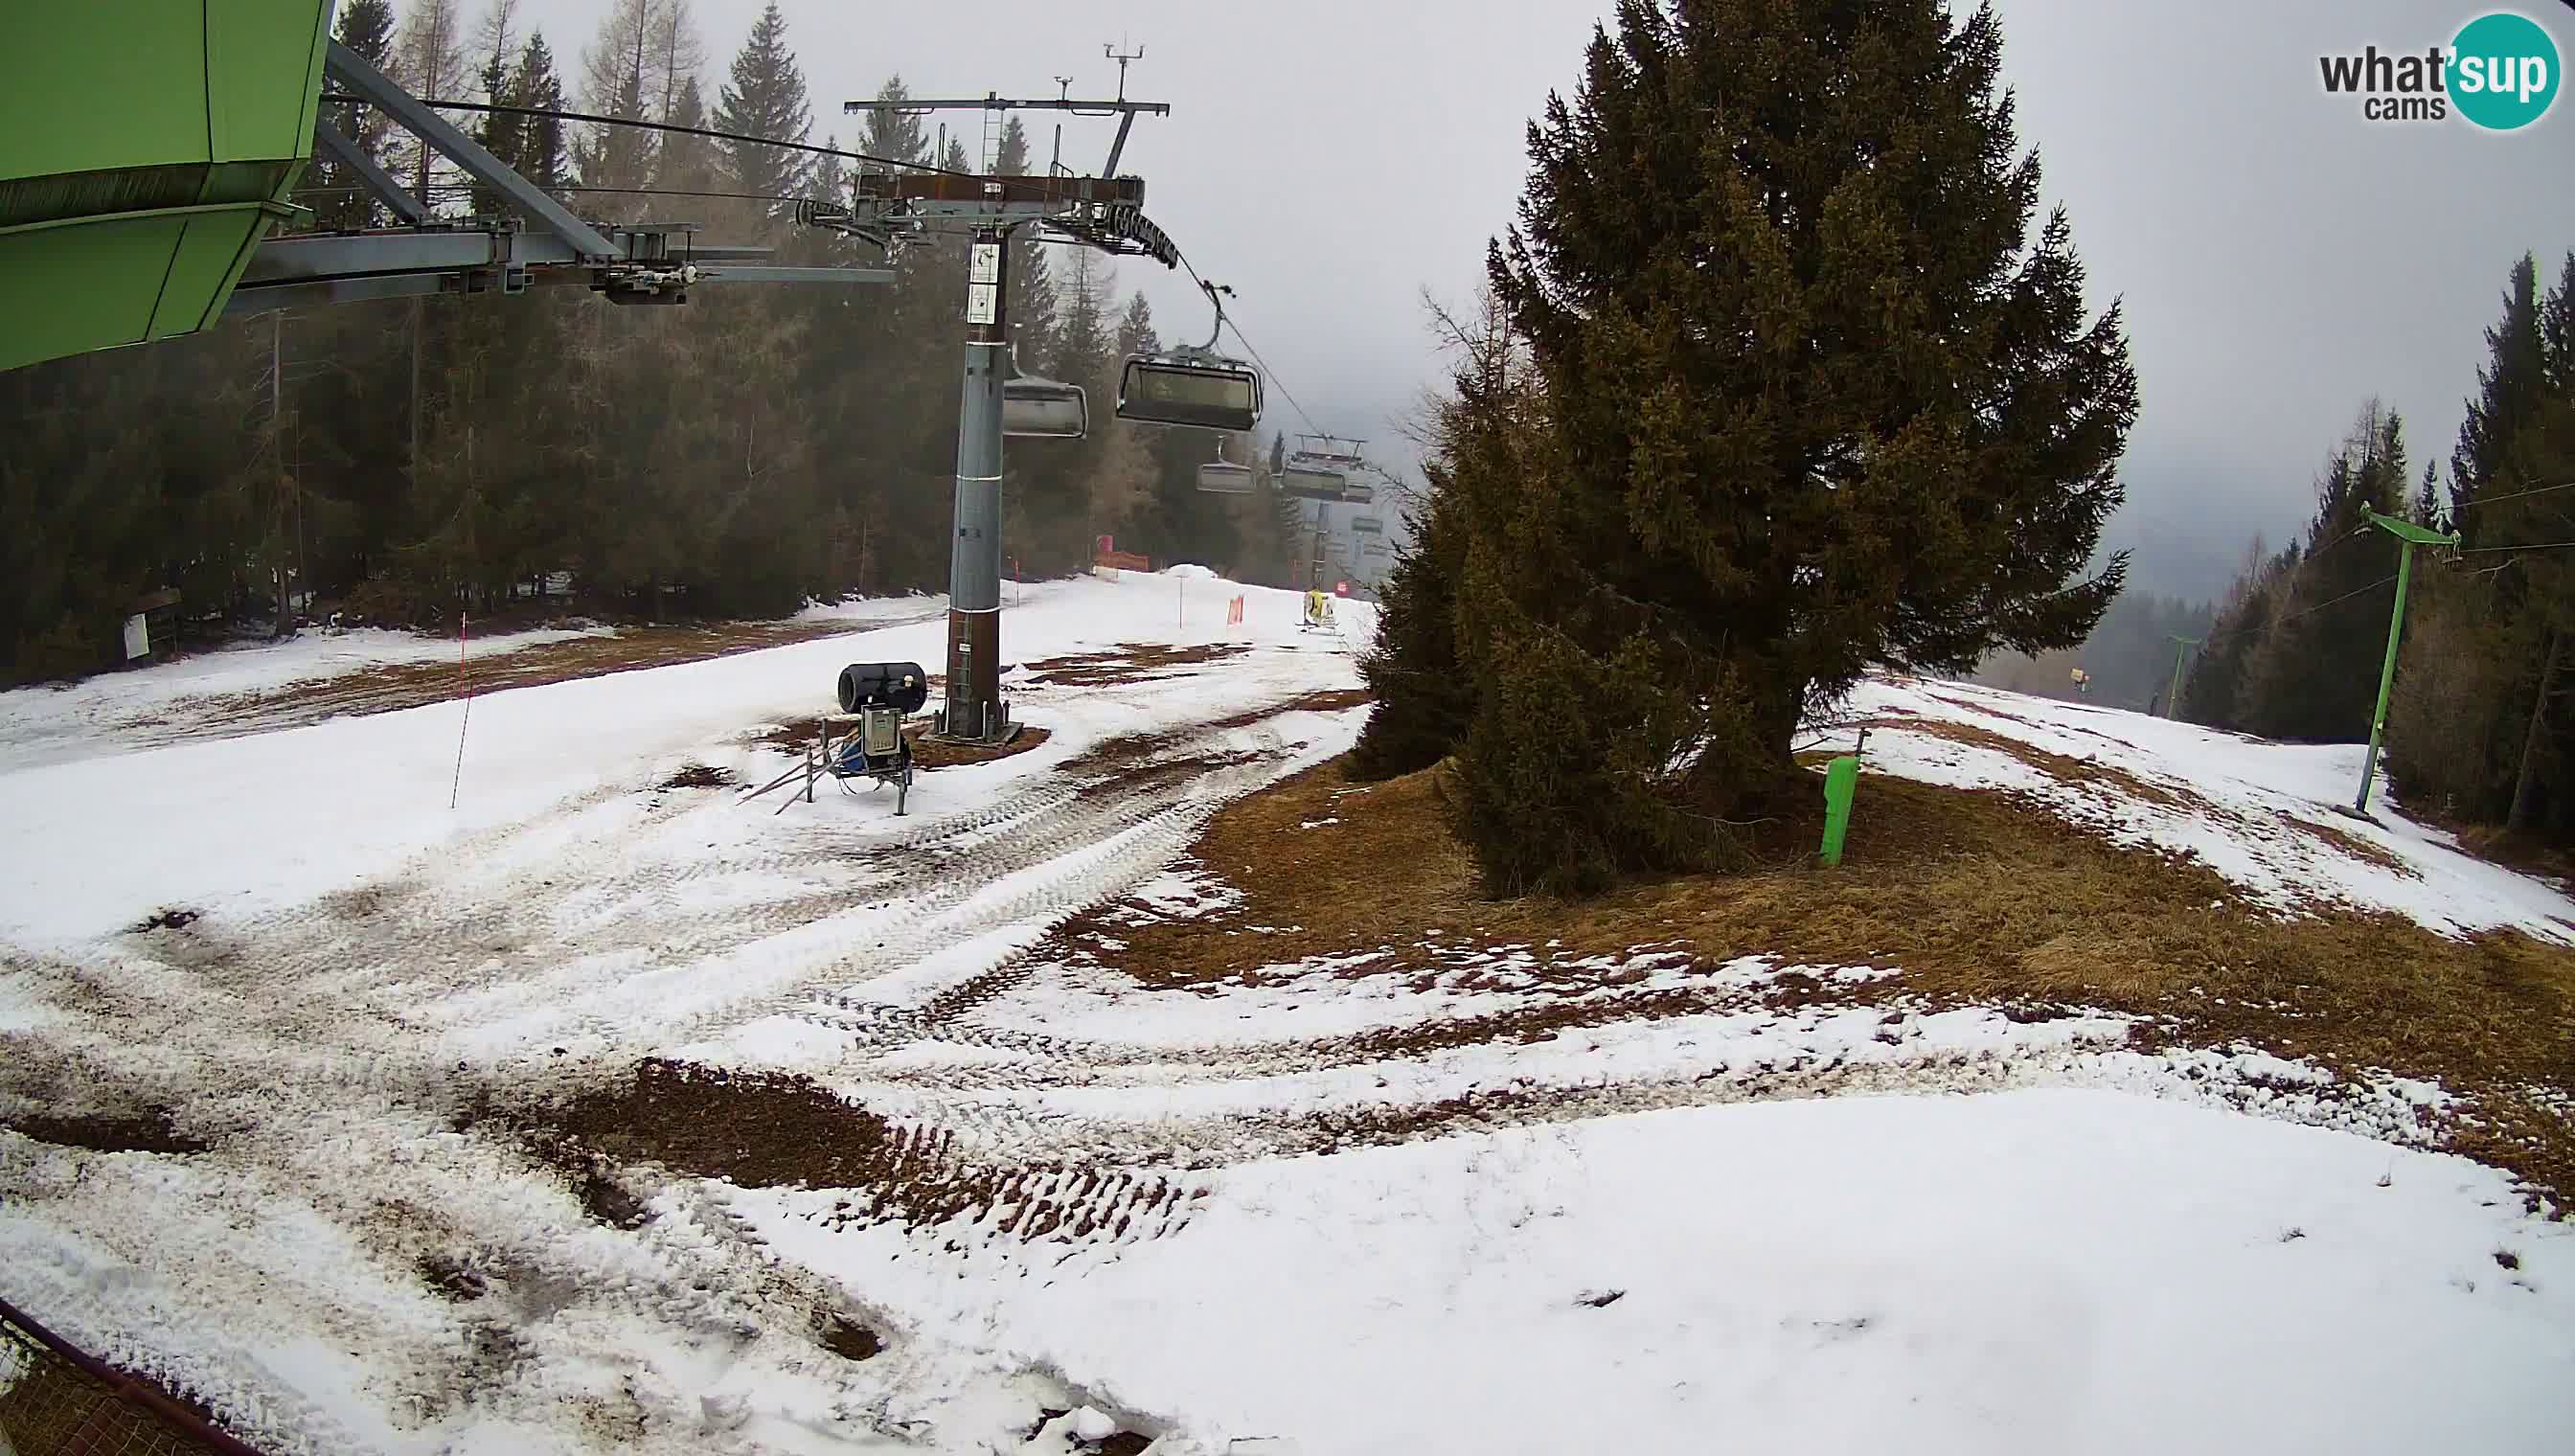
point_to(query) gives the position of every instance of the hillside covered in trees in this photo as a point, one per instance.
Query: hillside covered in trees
(2478, 725)
(757, 447)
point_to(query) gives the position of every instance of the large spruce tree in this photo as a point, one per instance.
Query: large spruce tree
(764, 97)
(1816, 396)
(2509, 385)
(339, 198)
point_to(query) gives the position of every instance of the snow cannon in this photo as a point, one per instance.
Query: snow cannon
(901, 687)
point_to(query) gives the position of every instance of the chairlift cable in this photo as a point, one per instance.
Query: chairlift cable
(1249, 348)
(558, 114)
(2515, 495)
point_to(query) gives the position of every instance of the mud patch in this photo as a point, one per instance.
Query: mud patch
(148, 1132)
(451, 1278)
(762, 1131)
(1127, 662)
(700, 775)
(604, 1200)
(177, 918)
(1119, 754)
(850, 1340)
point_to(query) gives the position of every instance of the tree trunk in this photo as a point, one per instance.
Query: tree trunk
(2525, 785)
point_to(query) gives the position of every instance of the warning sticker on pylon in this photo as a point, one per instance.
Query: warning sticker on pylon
(986, 266)
(982, 298)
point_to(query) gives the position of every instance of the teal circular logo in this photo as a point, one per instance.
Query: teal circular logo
(2503, 71)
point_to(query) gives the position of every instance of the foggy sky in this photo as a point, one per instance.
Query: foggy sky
(2280, 258)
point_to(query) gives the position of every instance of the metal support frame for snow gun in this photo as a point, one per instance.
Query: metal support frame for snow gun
(881, 695)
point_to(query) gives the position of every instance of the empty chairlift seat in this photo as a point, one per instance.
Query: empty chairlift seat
(1042, 409)
(1220, 478)
(1211, 392)
(1324, 474)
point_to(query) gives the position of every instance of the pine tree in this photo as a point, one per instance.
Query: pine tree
(1032, 304)
(430, 60)
(502, 134)
(2509, 384)
(2557, 332)
(766, 97)
(1812, 396)
(894, 135)
(340, 201)
(618, 80)
(541, 157)
(688, 164)
(2313, 677)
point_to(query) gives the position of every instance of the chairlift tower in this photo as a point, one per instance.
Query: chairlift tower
(1104, 212)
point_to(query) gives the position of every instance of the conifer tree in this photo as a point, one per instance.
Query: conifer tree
(340, 202)
(2509, 383)
(1814, 396)
(764, 97)
(2313, 677)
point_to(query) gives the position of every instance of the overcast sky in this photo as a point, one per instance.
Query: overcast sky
(2281, 259)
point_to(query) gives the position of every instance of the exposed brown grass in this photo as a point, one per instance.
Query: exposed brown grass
(2367, 851)
(385, 689)
(2063, 767)
(1128, 663)
(1977, 897)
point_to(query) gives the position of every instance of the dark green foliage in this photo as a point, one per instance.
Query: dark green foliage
(2509, 387)
(1808, 393)
(1425, 697)
(764, 97)
(2313, 675)
(339, 201)
(2212, 690)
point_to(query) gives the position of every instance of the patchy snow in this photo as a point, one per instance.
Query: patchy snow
(46, 724)
(2035, 1271)
(1439, 1194)
(2270, 817)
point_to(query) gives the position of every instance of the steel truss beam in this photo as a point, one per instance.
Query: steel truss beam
(377, 180)
(652, 262)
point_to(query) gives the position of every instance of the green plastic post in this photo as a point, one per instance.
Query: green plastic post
(2412, 536)
(1841, 780)
(2181, 652)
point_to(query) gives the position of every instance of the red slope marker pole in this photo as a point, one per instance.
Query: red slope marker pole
(466, 688)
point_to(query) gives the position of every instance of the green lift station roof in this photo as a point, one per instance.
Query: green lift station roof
(146, 147)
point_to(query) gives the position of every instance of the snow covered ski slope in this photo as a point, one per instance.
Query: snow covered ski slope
(609, 1114)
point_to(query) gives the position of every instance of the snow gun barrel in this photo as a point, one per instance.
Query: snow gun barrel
(899, 685)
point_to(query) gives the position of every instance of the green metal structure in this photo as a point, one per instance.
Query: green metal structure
(1841, 784)
(2409, 536)
(146, 149)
